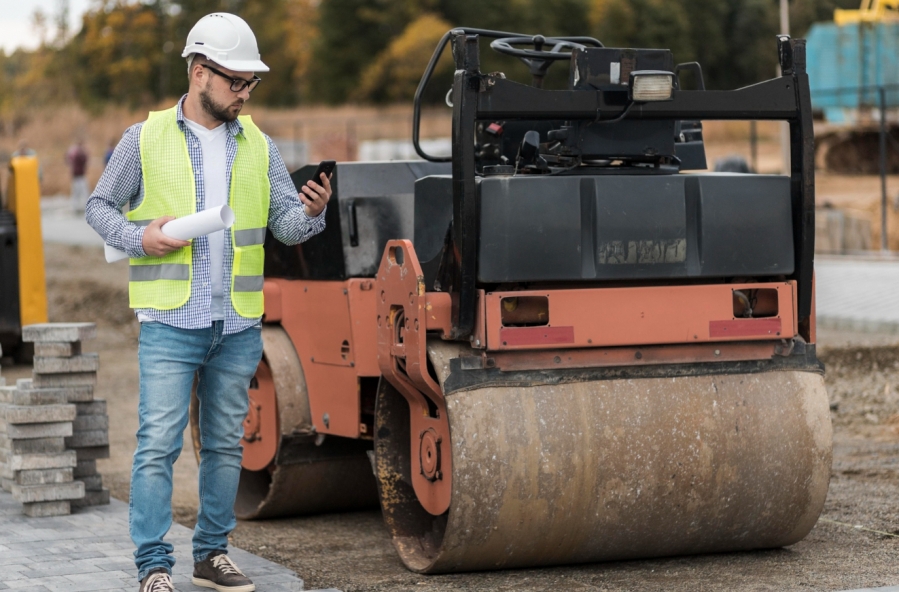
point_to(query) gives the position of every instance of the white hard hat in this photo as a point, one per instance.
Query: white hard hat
(226, 39)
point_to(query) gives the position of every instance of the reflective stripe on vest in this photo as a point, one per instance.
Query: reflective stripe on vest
(250, 236)
(164, 283)
(248, 283)
(163, 271)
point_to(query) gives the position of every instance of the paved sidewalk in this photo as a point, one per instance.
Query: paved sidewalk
(90, 550)
(858, 294)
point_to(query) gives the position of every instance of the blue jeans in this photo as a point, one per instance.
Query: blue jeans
(169, 358)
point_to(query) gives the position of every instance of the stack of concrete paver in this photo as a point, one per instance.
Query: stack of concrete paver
(60, 367)
(34, 463)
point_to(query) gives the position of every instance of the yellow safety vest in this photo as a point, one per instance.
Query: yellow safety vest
(164, 283)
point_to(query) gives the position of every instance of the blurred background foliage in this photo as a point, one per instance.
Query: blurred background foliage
(128, 52)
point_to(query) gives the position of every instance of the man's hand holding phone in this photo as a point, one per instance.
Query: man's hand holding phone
(317, 191)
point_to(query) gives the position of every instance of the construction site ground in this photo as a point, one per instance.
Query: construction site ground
(855, 544)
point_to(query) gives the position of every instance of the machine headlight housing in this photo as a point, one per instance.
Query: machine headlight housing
(651, 85)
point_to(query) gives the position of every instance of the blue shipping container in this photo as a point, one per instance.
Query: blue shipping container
(847, 64)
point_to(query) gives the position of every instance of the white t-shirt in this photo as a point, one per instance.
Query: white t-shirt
(213, 143)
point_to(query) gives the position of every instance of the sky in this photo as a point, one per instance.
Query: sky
(16, 29)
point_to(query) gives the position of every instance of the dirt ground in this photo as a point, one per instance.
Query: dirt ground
(854, 544)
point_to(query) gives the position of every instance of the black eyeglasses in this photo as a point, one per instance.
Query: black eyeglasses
(237, 84)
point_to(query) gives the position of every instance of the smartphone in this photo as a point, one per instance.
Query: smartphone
(326, 167)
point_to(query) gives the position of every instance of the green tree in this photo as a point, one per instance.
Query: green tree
(394, 75)
(753, 27)
(734, 40)
(119, 54)
(129, 51)
(352, 33)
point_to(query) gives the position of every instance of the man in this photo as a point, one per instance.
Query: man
(199, 302)
(76, 158)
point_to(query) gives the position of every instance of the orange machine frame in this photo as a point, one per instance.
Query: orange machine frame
(334, 327)
(607, 317)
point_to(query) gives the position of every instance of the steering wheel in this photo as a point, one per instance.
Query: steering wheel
(535, 59)
(538, 59)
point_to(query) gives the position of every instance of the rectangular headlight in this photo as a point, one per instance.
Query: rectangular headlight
(651, 85)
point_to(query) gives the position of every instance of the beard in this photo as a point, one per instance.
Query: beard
(223, 113)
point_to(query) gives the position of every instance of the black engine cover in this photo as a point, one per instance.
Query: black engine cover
(625, 227)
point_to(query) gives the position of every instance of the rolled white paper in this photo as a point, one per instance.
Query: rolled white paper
(187, 228)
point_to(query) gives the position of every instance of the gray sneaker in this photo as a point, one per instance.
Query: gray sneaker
(158, 580)
(219, 572)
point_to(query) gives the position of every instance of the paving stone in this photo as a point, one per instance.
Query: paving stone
(67, 567)
(59, 332)
(40, 509)
(92, 482)
(38, 430)
(91, 551)
(51, 349)
(73, 394)
(113, 564)
(14, 396)
(18, 414)
(87, 423)
(108, 580)
(88, 439)
(92, 498)
(82, 363)
(85, 468)
(44, 476)
(33, 445)
(48, 493)
(26, 462)
(64, 380)
(81, 394)
(95, 407)
(92, 453)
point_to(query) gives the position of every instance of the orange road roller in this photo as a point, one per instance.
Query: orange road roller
(563, 342)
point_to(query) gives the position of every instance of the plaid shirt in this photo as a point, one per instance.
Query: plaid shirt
(122, 182)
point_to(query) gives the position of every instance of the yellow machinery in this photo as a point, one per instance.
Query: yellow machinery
(23, 296)
(853, 68)
(870, 11)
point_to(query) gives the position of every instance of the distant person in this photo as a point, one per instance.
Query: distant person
(109, 150)
(76, 158)
(199, 303)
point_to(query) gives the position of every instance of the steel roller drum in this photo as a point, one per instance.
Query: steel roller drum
(614, 469)
(305, 488)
